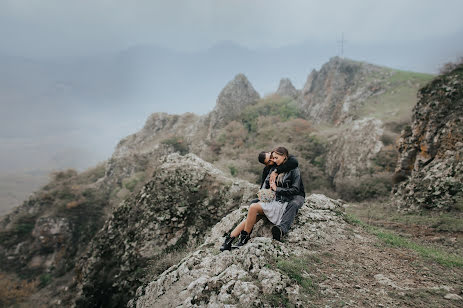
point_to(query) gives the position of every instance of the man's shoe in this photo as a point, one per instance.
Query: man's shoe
(277, 233)
(228, 243)
(244, 238)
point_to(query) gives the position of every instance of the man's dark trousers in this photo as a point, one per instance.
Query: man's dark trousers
(290, 213)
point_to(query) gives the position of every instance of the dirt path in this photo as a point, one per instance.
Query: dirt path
(361, 271)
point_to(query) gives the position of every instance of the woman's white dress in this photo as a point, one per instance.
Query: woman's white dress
(274, 210)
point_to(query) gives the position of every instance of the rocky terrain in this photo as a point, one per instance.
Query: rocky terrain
(431, 149)
(341, 86)
(315, 266)
(103, 237)
(184, 198)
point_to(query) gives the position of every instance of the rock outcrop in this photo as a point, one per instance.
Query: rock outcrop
(431, 150)
(249, 276)
(331, 94)
(351, 152)
(179, 204)
(286, 88)
(237, 95)
(158, 127)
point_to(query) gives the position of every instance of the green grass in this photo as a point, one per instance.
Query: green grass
(394, 240)
(399, 76)
(397, 102)
(294, 267)
(439, 221)
(393, 105)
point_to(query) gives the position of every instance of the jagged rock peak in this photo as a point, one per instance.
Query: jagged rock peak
(286, 88)
(236, 95)
(431, 150)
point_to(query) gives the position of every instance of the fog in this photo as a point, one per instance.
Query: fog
(76, 77)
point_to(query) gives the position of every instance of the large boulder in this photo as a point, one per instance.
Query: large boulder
(248, 276)
(431, 150)
(179, 204)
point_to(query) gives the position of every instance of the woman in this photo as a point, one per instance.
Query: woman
(285, 185)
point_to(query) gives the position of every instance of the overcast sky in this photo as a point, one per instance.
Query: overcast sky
(63, 27)
(295, 36)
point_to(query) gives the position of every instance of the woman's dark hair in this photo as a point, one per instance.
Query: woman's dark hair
(281, 151)
(261, 157)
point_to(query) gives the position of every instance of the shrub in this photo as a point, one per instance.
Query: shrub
(13, 290)
(178, 143)
(62, 175)
(283, 107)
(45, 279)
(233, 170)
(364, 187)
(450, 66)
(131, 182)
(386, 159)
(20, 230)
(233, 134)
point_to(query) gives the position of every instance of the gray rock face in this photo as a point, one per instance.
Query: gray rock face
(340, 86)
(431, 150)
(286, 88)
(244, 277)
(236, 95)
(351, 152)
(184, 199)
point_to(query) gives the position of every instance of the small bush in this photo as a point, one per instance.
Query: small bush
(62, 175)
(365, 187)
(283, 107)
(386, 159)
(13, 290)
(45, 279)
(131, 183)
(450, 66)
(178, 143)
(233, 170)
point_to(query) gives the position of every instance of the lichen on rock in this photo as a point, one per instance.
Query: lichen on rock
(249, 275)
(431, 150)
(184, 198)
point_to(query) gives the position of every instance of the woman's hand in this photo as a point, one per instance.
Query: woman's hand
(273, 176)
(273, 186)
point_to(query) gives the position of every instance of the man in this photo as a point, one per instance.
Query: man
(278, 231)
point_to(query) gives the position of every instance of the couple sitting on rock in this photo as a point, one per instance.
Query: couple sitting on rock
(282, 176)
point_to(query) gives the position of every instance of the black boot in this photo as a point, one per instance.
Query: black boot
(228, 243)
(244, 238)
(277, 233)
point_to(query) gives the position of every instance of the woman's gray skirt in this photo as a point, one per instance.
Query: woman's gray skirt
(274, 210)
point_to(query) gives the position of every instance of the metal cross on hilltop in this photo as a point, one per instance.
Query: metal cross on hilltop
(342, 41)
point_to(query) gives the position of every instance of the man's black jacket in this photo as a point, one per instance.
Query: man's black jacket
(290, 163)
